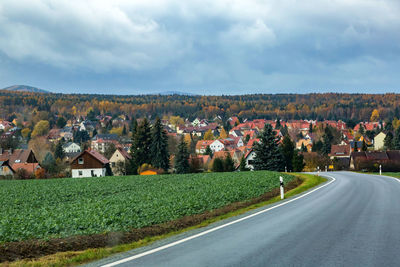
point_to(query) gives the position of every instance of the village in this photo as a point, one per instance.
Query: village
(101, 146)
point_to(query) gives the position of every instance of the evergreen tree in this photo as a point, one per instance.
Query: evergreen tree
(364, 146)
(49, 163)
(133, 126)
(396, 140)
(355, 146)
(141, 141)
(124, 130)
(208, 151)
(389, 141)
(287, 151)
(303, 148)
(61, 122)
(182, 158)
(218, 165)
(327, 141)
(242, 166)
(59, 151)
(311, 127)
(229, 165)
(268, 155)
(159, 146)
(298, 162)
(278, 124)
(317, 146)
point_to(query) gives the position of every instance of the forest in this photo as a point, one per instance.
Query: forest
(330, 106)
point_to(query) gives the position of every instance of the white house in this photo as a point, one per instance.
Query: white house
(90, 163)
(71, 147)
(249, 158)
(217, 145)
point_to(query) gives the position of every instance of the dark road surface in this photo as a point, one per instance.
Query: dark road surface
(353, 221)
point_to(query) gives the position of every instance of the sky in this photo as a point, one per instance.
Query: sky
(201, 47)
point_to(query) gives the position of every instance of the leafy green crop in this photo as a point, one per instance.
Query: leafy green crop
(42, 209)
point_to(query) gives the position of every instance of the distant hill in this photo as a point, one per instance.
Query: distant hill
(175, 93)
(25, 88)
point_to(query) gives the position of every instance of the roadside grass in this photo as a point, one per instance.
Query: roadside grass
(74, 258)
(391, 174)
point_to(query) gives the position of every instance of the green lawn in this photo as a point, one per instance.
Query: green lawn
(43, 209)
(393, 174)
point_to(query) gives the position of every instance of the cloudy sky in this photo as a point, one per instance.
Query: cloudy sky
(202, 47)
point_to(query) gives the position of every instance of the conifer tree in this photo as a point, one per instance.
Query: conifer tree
(396, 140)
(59, 152)
(287, 151)
(182, 158)
(268, 155)
(218, 165)
(303, 148)
(229, 165)
(159, 146)
(298, 162)
(364, 146)
(388, 141)
(208, 151)
(141, 141)
(242, 166)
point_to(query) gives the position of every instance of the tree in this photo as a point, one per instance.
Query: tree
(229, 165)
(208, 152)
(41, 128)
(59, 151)
(61, 122)
(287, 148)
(317, 146)
(159, 147)
(110, 150)
(388, 141)
(355, 146)
(303, 148)
(208, 135)
(396, 140)
(223, 134)
(268, 155)
(242, 166)
(374, 115)
(141, 141)
(26, 132)
(218, 165)
(182, 158)
(124, 132)
(327, 141)
(364, 146)
(49, 163)
(311, 127)
(278, 124)
(298, 161)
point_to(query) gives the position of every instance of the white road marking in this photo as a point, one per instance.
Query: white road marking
(213, 229)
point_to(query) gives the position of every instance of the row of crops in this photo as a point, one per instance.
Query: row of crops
(43, 209)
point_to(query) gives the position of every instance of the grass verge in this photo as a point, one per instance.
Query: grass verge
(74, 258)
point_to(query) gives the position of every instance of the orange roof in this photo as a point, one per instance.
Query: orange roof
(202, 144)
(29, 167)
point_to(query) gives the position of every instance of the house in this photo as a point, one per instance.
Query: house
(54, 135)
(90, 163)
(5, 125)
(217, 145)
(71, 147)
(66, 133)
(233, 121)
(249, 159)
(118, 161)
(379, 141)
(20, 158)
(5, 169)
(202, 145)
(340, 151)
(103, 141)
(236, 133)
(304, 142)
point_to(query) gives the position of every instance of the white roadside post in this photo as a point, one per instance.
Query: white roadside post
(380, 169)
(281, 185)
(318, 171)
(326, 168)
(285, 169)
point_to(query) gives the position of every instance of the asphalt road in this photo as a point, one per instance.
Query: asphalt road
(354, 221)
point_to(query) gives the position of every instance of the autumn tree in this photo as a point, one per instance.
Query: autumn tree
(374, 115)
(41, 128)
(223, 134)
(208, 135)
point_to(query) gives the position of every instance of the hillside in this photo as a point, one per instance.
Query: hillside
(25, 88)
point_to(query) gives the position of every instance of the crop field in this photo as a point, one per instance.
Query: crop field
(45, 209)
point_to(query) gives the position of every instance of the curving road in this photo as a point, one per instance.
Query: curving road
(353, 221)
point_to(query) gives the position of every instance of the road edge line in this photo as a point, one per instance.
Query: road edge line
(152, 251)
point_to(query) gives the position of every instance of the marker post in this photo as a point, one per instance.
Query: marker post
(281, 186)
(380, 169)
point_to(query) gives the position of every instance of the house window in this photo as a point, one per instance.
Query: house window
(80, 173)
(80, 161)
(113, 164)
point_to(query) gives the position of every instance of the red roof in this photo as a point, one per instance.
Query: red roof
(340, 150)
(29, 167)
(94, 154)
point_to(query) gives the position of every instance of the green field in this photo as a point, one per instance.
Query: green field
(43, 209)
